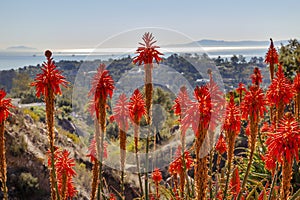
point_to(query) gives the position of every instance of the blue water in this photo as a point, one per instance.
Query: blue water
(15, 60)
(12, 60)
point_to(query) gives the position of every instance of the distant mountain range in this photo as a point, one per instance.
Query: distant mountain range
(20, 48)
(221, 43)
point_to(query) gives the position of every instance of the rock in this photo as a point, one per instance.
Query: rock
(28, 118)
(67, 125)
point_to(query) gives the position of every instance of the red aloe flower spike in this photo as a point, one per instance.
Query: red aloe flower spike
(253, 106)
(280, 92)
(271, 58)
(296, 86)
(121, 116)
(112, 196)
(256, 76)
(177, 165)
(93, 151)
(5, 105)
(180, 107)
(231, 126)
(157, 178)
(94, 160)
(284, 146)
(50, 79)
(270, 162)
(136, 111)
(102, 87)
(121, 112)
(240, 90)
(221, 146)
(48, 84)
(199, 116)
(254, 103)
(235, 183)
(199, 111)
(147, 52)
(156, 175)
(136, 106)
(232, 122)
(65, 173)
(181, 103)
(285, 142)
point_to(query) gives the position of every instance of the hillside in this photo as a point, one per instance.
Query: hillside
(26, 147)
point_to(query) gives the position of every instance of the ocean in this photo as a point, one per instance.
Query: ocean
(19, 59)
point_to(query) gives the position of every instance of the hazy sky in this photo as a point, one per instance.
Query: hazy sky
(84, 24)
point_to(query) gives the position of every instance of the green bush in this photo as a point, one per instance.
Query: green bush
(27, 183)
(18, 147)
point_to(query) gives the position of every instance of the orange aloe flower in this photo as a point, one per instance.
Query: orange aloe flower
(281, 90)
(48, 84)
(121, 116)
(221, 146)
(296, 86)
(296, 83)
(5, 105)
(256, 76)
(235, 183)
(65, 173)
(102, 87)
(93, 151)
(181, 103)
(199, 111)
(136, 106)
(50, 79)
(284, 143)
(121, 112)
(156, 175)
(147, 52)
(137, 109)
(157, 178)
(283, 146)
(271, 58)
(94, 160)
(240, 90)
(232, 122)
(177, 165)
(231, 127)
(254, 103)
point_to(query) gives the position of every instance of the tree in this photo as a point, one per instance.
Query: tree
(20, 84)
(289, 57)
(234, 59)
(242, 59)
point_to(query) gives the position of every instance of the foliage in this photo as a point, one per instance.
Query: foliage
(289, 57)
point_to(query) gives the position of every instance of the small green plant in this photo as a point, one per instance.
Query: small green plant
(32, 114)
(27, 183)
